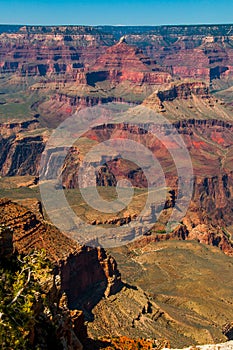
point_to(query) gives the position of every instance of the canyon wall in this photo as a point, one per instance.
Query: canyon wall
(81, 269)
(213, 185)
(185, 52)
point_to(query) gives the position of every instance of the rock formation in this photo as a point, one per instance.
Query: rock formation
(6, 245)
(81, 268)
(173, 70)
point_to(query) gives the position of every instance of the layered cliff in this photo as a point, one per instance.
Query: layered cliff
(43, 318)
(187, 100)
(82, 269)
(84, 66)
(37, 51)
(124, 62)
(20, 155)
(185, 51)
(173, 71)
(212, 196)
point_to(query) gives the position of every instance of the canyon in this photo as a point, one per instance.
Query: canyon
(165, 289)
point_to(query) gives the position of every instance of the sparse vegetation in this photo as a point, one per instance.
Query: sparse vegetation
(118, 343)
(161, 231)
(22, 284)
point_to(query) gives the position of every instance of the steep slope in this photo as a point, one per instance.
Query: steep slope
(91, 267)
(133, 312)
(43, 319)
(124, 62)
(188, 100)
(188, 289)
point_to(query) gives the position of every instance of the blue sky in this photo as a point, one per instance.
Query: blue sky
(125, 12)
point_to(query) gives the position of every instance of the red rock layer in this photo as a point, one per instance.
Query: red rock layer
(81, 268)
(124, 62)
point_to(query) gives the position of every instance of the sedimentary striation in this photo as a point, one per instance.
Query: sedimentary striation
(184, 75)
(81, 268)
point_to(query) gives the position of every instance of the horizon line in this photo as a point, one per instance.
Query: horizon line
(117, 25)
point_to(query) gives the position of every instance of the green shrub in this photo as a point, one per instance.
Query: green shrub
(22, 282)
